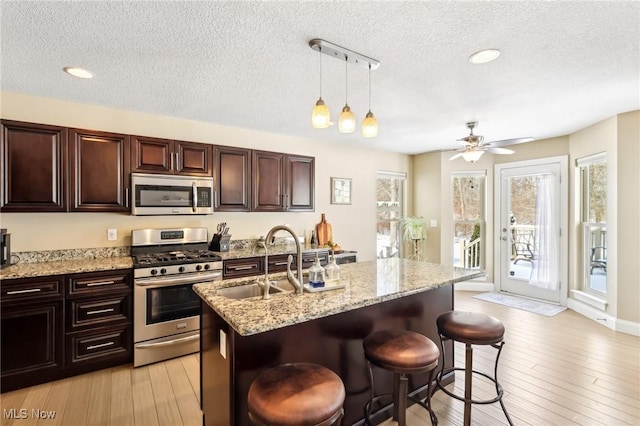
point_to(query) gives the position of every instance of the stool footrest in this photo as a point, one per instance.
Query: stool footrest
(498, 397)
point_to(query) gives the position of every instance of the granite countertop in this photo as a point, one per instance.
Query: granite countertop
(257, 251)
(367, 283)
(60, 267)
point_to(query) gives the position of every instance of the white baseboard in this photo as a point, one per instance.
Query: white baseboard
(623, 326)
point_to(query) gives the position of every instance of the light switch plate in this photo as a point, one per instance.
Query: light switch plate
(434, 223)
(112, 234)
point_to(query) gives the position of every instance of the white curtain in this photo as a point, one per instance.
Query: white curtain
(544, 273)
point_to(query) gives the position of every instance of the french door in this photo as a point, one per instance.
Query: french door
(531, 222)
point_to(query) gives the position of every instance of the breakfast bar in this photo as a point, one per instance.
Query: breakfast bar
(240, 338)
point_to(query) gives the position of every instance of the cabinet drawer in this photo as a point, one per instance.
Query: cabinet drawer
(31, 288)
(99, 312)
(310, 257)
(278, 263)
(101, 345)
(99, 282)
(243, 267)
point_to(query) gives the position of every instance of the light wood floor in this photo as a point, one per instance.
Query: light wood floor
(562, 370)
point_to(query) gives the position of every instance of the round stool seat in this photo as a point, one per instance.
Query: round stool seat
(296, 394)
(470, 327)
(401, 350)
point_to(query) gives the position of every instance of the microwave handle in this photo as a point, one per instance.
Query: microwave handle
(194, 188)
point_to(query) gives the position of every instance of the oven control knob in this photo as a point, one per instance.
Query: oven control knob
(207, 266)
(198, 267)
(154, 272)
(181, 269)
(163, 271)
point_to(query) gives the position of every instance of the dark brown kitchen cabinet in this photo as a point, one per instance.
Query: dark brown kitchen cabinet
(164, 156)
(33, 158)
(282, 182)
(32, 331)
(232, 179)
(63, 325)
(99, 318)
(99, 171)
(245, 267)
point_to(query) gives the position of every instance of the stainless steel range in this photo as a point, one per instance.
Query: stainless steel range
(166, 311)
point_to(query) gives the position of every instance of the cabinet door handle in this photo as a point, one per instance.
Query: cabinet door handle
(171, 154)
(101, 283)
(178, 161)
(30, 290)
(126, 197)
(100, 311)
(102, 345)
(241, 268)
(280, 263)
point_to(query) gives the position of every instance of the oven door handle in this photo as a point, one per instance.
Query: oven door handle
(163, 282)
(168, 342)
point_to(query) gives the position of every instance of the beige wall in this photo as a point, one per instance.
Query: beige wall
(354, 225)
(628, 217)
(426, 200)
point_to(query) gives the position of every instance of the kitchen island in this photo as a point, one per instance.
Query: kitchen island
(242, 338)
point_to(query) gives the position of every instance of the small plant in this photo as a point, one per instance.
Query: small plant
(413, 228)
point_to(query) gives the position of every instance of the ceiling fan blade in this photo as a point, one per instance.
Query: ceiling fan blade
(499, 150)
(456, 156)
(506, 142)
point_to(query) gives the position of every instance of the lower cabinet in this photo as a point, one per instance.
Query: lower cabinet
(59, 326)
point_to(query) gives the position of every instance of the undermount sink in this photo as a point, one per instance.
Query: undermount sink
(254, 290)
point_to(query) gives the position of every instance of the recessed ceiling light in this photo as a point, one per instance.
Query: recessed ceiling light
(78, 72)
(484, 56)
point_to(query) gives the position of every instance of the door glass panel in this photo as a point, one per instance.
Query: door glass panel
(389, 210)
(468, 221)
(522, 219)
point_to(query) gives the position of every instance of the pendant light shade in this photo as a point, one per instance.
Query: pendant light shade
(346, 121)
(370, 124)
(320, 116)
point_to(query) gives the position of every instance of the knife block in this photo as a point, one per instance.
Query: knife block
(220, 242)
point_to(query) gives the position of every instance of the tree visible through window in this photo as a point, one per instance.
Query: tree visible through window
(468, 219)
(390, 201)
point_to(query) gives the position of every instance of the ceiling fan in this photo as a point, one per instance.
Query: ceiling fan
(474, 145)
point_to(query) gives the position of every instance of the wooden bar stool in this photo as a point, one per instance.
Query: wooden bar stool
(401, 352)
(300, 394)
(471, 328)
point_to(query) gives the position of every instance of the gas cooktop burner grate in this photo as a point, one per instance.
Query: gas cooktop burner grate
(175, 257)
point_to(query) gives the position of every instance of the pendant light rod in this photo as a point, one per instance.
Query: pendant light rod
(343, 53)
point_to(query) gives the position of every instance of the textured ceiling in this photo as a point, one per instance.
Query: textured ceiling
(564, 65)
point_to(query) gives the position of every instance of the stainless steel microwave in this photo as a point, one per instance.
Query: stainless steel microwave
(171, 195)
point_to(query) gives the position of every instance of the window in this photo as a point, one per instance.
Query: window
(468, 219)
(390, 204)
(593, 190)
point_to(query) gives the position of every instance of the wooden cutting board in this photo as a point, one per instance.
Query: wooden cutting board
(324, 231)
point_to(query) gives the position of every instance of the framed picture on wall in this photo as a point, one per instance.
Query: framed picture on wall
(340, 190)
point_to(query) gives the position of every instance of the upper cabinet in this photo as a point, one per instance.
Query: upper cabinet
(282, 182)
(232, 179)
(99, 171)
(154, 155)
(33, 176)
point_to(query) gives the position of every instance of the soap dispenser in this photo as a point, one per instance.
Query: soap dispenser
(316, 274)
(332, 270)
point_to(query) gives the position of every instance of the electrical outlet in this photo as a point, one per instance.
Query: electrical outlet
(434, 223)
(112, 234)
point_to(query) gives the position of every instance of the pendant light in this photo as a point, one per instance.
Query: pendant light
(370, 124)
(320, 117)
(346, 121)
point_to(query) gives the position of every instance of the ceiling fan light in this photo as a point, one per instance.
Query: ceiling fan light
(484, 56)
(320, 117)
(370, 126)
(346, 121)
(472, 155)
